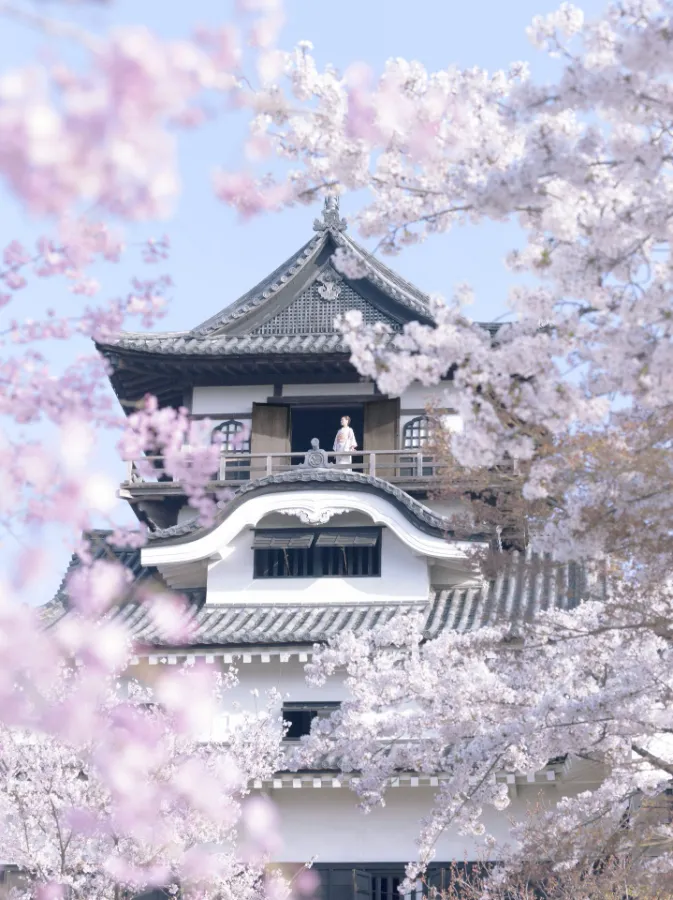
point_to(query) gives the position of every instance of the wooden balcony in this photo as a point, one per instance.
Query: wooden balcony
(413, 470)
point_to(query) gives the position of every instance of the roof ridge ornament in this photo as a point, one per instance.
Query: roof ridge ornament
(331, 220)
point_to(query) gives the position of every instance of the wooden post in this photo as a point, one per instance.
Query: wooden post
(269, 464)
(222, 472)
(372, 463)
(129, 470)
(419, 465)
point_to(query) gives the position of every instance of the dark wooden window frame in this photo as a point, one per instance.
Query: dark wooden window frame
(378, 880)
(228, 429)
(318, 561)
(301, 715)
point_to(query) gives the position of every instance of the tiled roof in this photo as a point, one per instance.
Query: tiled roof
(100, 549)
(187, 344)
(384, 278)
(265, 290)
(301, 478)
(214, 338)
(526, 586)
(389, 282)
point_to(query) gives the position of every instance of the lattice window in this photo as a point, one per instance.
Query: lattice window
(234, 438)
(416, 433)
(310, 313)
(327, 553)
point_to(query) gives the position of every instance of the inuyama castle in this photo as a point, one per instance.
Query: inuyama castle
(311, 543)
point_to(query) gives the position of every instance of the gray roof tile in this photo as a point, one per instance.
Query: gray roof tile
(527, 585)
(230, 345)
(306, 478)
(265, 290)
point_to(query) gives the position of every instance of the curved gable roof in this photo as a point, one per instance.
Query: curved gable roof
(306, 479)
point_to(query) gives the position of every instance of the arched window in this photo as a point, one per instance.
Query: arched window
(233, 437)
(415, 433)
(415, 436)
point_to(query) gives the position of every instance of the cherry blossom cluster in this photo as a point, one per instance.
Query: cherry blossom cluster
(143, 800)
(87, 148)
(574, 389)
(589, 687)
(581, 164)
(182, 449)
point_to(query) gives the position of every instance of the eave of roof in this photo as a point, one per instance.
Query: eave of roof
(221, 347)
(384, 278)
(527, 585)
(186, 344)
(300, 478)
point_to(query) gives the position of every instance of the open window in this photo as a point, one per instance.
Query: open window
(323, 421)
(299, 717)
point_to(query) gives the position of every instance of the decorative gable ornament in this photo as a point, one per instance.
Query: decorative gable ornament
(331, 220)
(329, 285)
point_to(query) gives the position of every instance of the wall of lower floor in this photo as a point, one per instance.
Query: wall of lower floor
(326, 824)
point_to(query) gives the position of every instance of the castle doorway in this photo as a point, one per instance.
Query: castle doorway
(323, 422)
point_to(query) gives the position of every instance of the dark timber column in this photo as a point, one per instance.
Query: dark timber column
(270, 434)
(382, 422)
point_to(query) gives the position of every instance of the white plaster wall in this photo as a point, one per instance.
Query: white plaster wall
(404, 577)
(217, 399)
(325, 822)
(251, 693)
(417, 395)
(286, 677)
(223, 400)
(361, 388)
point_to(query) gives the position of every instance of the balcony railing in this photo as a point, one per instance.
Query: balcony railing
(392, 465)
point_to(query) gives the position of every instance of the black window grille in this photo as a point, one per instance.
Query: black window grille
(323, 553)
(415, 436)
(299, 717)
(386, 887)
(234, 438)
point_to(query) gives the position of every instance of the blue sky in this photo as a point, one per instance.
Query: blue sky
(214, 257)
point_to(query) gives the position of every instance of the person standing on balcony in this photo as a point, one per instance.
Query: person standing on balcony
(344, 442)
